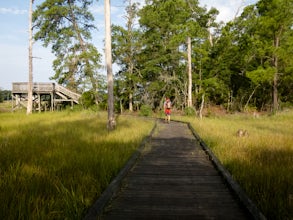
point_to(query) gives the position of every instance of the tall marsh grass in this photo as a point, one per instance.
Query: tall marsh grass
(55, 165)
(261, 162)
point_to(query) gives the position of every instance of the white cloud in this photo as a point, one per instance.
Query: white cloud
(14, 11)
(228, 9)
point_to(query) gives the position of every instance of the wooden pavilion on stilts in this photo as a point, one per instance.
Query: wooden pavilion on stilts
(46, 96)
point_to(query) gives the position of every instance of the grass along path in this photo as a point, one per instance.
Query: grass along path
(261, 162)
(55, 165)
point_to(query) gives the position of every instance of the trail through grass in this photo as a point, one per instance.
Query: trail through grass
(55, 165)
(262, 162)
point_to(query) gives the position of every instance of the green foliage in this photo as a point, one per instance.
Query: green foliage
(125, 46)
(5, 95)
(252, 48)
(145, 110)
(189, 111)
(66, 25)
(87, 99)
(215, 89)
(261, 75)
(166, 25)
(235, 64)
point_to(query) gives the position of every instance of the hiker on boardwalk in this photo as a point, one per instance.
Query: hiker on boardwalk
(167, 109)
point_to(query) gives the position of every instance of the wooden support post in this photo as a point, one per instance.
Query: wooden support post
(17, 100)
(39, 98)
(12, 97)
(52, 102)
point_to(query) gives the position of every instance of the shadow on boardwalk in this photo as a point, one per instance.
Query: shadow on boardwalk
(172, 179)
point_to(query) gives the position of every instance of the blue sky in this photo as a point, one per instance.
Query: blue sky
(14, 36)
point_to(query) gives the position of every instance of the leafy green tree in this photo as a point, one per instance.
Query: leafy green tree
(87, 99)
(1, 96)
(286, 79)
(66, 26)
(126, 46)
(219, 65)
(203, 46)
(166, 26)
(263, 44)
(276, 18)
(251, 54)
(5, 95)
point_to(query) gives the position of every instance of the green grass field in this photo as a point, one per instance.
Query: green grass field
(55, 165)
(261, 162)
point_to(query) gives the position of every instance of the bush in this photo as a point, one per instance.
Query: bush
(87, 99)
(189, 111)
(145, 110)
(286, 105)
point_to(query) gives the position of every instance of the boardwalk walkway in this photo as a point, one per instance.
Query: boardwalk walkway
(174, 179)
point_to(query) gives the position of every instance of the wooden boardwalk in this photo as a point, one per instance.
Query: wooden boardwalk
(174, 179)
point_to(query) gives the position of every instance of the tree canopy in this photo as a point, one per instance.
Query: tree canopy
(243, 64)
(66, 27)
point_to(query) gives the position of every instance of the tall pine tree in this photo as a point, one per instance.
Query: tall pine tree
(66, 26)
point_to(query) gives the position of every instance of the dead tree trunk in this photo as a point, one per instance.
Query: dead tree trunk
(30, 58)
(275, 81)
(108, 53)
(201, 106)
(189, 100)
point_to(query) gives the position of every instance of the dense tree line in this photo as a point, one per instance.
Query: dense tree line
(243, 64)
(5, 95)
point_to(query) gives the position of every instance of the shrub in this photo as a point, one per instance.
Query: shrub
(87, 99)
(189, 111)
(145, 110)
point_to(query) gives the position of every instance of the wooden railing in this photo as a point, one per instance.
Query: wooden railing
(67, 92)
(22, 87)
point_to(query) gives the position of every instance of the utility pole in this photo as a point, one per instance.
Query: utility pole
(108, 53)
(30, 58)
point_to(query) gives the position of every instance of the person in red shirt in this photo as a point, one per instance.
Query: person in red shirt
(167, 109)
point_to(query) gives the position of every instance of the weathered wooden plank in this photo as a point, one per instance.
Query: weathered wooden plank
(161, 179)
(175, 164)
(173, 212)
(176, 171)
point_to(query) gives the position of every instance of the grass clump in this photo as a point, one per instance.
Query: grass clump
(261, 162)
(55, 165)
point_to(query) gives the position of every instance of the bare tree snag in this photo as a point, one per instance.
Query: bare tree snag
(30, 58)
(189, 100)
(108, 53)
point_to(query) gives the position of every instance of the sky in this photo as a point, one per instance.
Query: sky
(14, 36)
